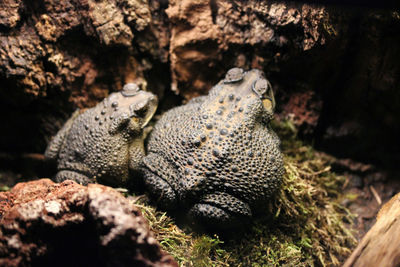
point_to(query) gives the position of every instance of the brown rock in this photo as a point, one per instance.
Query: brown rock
(9, 13)
(47, 224)
(220, 34)
(40, 54)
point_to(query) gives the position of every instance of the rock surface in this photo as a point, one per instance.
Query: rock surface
(221, 34)
(60, 47)
(47, 224)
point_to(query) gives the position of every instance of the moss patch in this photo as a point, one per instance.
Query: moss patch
(305, 225)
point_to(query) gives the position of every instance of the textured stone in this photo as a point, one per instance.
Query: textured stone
(43, 223)
(35, 57)
(208, 33)
(9, 13)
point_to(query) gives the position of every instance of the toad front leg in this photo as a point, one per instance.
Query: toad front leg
(160, 189)
(220, 211)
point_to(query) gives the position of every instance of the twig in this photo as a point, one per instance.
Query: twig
(377, 197)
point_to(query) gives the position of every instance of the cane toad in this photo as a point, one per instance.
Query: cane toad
(103, 143)
(217, 156)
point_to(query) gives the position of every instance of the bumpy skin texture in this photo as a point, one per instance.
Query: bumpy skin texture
(103, 143)
(217, 155)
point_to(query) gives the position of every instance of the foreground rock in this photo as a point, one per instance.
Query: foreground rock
(47, 224)
(380, 246)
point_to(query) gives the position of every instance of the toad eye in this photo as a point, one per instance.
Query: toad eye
(144, 108)
(264, 91)
(139, 109)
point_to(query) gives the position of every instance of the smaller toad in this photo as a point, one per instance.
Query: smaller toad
(102, 144)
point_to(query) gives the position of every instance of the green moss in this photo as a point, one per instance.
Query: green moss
(4, 188)
(305, 225)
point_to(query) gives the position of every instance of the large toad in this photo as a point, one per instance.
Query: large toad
(217, 156)
(103, 143)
